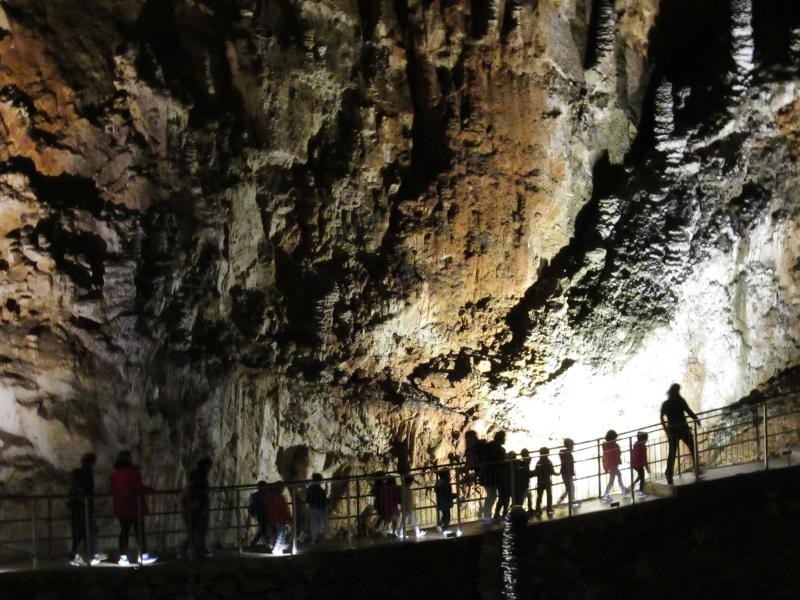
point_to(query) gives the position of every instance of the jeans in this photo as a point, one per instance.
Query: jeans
(676, 434)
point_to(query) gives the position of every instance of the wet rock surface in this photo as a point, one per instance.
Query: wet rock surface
(299, 235)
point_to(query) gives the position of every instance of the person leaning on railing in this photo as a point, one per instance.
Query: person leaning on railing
(673, 419)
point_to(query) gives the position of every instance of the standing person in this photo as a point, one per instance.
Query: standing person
(612, 459)
(389, 504)
(474, 455)
(278, 515)
(493, 467)
(544, 472)
(673, 420)
(639, 461)
(81, 507)
(409, 507)
(258, 511)
(504, 485)
(567, 471)
(377, 484)
(522, 480)
(444, 501)
(130, 507)
(317, 501)
(197, 509)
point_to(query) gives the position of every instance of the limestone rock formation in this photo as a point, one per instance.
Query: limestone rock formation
(313, 235)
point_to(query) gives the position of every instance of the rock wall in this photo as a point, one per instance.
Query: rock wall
(307, 235)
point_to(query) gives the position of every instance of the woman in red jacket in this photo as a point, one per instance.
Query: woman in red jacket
(278, 515)
(127, 491)
(612, 459)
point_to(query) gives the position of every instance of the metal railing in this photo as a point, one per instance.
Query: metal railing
(39, 526)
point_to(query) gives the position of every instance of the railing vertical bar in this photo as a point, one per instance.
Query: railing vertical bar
(766, 439)
(599, 472)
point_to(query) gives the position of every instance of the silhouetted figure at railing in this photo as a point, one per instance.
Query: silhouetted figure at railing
(278, 515)
(673, 419)
(130, 506)
(474, 450)
(444, 501)
(493, 468)
(505, 481)
(567, 471)
(196, 510)
(258, 511)
(522, 480)
(612, 459)
(317, 500)
(639, 461)
(544, 472)
(409, 507)
(82, 513)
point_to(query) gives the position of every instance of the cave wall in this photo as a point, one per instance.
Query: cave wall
(304, 235)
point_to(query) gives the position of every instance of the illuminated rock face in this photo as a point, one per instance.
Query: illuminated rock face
(306, 235)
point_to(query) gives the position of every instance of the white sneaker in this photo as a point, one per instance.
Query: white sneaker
(77, 561)
(147, 559)
(439, 528)
(421, 534)
(277, 550)
(123, 561)
(641, 494)
(606, 498)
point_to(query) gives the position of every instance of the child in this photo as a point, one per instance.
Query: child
(567, 471)
(612, 459)
(409, 508)
(639, 461)
(544, 485)
(444, 501)
(318, 504)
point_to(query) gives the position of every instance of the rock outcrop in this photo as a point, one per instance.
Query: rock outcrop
(307, 235)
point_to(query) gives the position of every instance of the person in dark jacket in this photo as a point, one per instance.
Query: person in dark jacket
(128, 494)
(522, 479)
(317, 501)
(673, 420)
(258, 511)
(197, 509)
(544, 472)
(494, 468)
(444, 501)
(81, 506)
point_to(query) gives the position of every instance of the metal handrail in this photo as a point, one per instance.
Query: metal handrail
(749, 428)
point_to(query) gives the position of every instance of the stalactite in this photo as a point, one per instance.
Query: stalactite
(742, 44)
(606, 29)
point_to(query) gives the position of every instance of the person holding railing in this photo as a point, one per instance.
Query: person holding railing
(544, 472)
(196, 509)
(673, 419)
(130, 507)
(522, 480)
(409, 507)
(278, 515)
(444, 501)
(81, 506)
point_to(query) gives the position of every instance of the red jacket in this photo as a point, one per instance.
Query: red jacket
(639, 455)
(128, 491)
(612, 456)
(276, 507)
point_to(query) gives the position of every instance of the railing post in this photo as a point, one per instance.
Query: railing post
(187, 508)
(34, 540)
(696, 452)
(458, 504)
(766, 438)
(294, 521)
(50, 528)
(86, 532)
(349, 511)
(358, 503)
(599, 472)
(630, 469)
(512, 490)
(238, 508)
(140, 529)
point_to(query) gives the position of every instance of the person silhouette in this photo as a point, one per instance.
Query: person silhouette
(673, 419)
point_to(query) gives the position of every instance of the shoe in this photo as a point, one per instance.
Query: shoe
(446, 532)
(606, 498)
(550, 513)
(123, 561)
(277, 551)
(100, 557)
(439, 528)
(421, 534)
(208, 554)
(147, 559)
(77, 561)
(641, 494)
